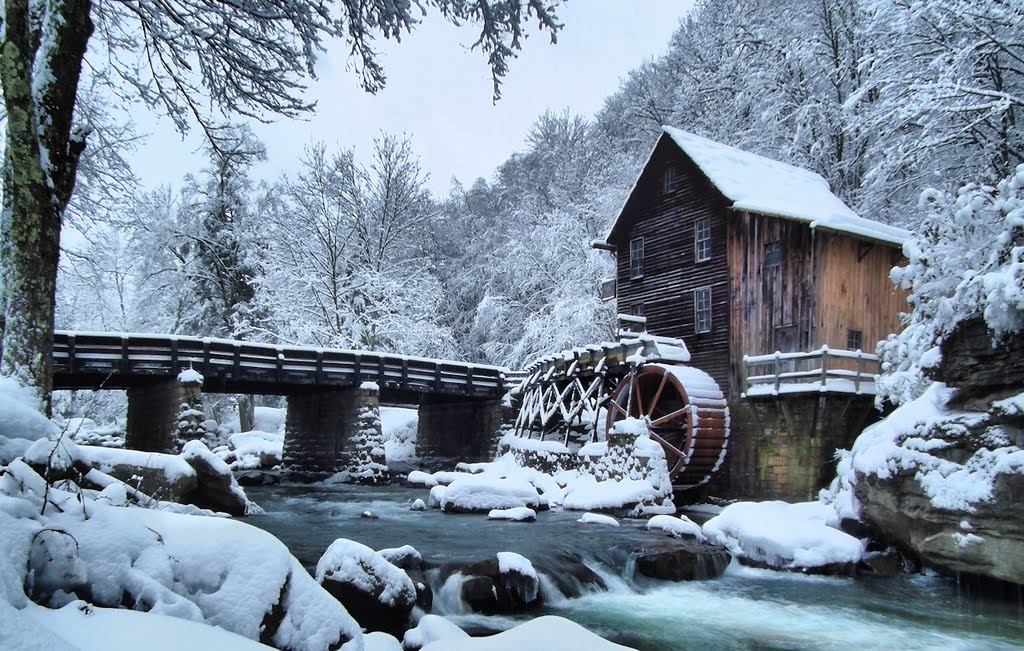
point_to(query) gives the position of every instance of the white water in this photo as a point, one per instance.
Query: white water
(744, 609)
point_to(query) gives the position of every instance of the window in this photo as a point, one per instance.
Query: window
(636, 258)
(636, 309)
(702, 309)
(669, 180)
(702, 240)
(854, 340)
(773, 254)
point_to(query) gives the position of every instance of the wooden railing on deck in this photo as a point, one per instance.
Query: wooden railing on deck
(823, 370)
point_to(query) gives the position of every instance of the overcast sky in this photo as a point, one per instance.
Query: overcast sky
(439, 93)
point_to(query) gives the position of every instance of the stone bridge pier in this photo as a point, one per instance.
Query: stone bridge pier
(155, 413)
(453, 429)
(334, 430)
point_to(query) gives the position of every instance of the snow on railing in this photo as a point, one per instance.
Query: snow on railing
(824, 370)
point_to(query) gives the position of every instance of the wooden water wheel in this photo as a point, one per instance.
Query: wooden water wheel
(686, 413)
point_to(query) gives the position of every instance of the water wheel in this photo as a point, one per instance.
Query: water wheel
(686, 413)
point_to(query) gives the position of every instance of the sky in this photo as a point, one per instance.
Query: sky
(439, 94)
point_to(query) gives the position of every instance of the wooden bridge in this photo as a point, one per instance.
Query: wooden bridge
(333, 395)
(98, 360)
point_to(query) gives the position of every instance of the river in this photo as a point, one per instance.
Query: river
(744, 609)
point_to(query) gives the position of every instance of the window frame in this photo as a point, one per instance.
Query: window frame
(854, 335)
(698, 321)
(636, 261)
(669, 180)
(768, 248)
(702, 245)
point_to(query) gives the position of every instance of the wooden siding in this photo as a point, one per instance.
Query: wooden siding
(772, 308)
(854, 291)
(665, 292)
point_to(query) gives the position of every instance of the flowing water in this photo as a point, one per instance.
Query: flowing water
(743, 609)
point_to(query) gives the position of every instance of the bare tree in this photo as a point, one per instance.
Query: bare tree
(248, 57)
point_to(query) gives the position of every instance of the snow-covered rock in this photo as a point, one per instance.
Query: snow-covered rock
(598, 518)
(800, 536)
(379, 595)
(918, 475)
(549, 632)
(432, 630)
(677, 527)
(505, 584)
(481, 494)
(517, 514)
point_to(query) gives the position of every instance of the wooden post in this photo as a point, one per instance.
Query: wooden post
(124, 355)
(319, 366)
(405, 372)
(437, 376)
(71, 354)
(856, 373)
(279, 371)
(174, 354)
(778, 371)
(237, 359)
(824, 367)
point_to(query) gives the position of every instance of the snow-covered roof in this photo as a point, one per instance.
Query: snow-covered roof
(769, 187)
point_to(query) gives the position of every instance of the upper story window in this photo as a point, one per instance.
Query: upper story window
(773, 254)
(702, 309)
(702, 240)
(669, 179)
(636, 258)
(854, 340)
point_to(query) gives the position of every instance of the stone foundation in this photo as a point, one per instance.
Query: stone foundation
(463, 431)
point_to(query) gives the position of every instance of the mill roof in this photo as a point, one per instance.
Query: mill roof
(756, 184)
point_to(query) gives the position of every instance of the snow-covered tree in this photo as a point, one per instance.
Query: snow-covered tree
(967, 262)
(184, 56)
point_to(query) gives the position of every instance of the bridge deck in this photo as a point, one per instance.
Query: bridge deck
(92, 360)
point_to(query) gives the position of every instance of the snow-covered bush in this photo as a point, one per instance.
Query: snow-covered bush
(967, 262)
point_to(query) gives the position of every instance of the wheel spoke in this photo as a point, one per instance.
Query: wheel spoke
(679, 453)
(657, 394)
(674, 415)
(639, 401)
(619, 407)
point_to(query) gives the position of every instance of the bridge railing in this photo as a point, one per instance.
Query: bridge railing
(823, 370)
(79, 353)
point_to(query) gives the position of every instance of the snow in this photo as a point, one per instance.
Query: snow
(902, 441)
(200, 570)
(598, 518)
(378, 641)
(783, 535)
(513, 562)
(190, 376)
(256, 449)
(399, 426)
(677, 527)
(761, 185)
(90, 628)
(418, 505)
(550, 633)
(517, 514)
(433, 629)
(587, 493)
(353, 563)
(173, 467)
(21, 413)
(478, 493)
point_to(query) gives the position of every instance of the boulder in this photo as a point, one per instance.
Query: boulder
(495, 587)
(377, 594)
(988, 541)
(217, 488)
(976, 363)
(162, 476)
(682, 561)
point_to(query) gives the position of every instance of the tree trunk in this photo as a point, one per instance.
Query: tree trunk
(246, 412)
(40, 65)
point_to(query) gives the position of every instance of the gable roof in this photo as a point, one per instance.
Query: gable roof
(769, 187)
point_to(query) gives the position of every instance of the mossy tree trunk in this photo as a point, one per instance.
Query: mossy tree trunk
(41, 54)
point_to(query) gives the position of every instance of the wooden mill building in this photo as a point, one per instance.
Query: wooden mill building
(757, 266)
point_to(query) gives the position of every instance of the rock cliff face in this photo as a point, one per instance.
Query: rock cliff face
(949, 488)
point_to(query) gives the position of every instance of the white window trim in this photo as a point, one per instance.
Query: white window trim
(696, 310)
(697, 241)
